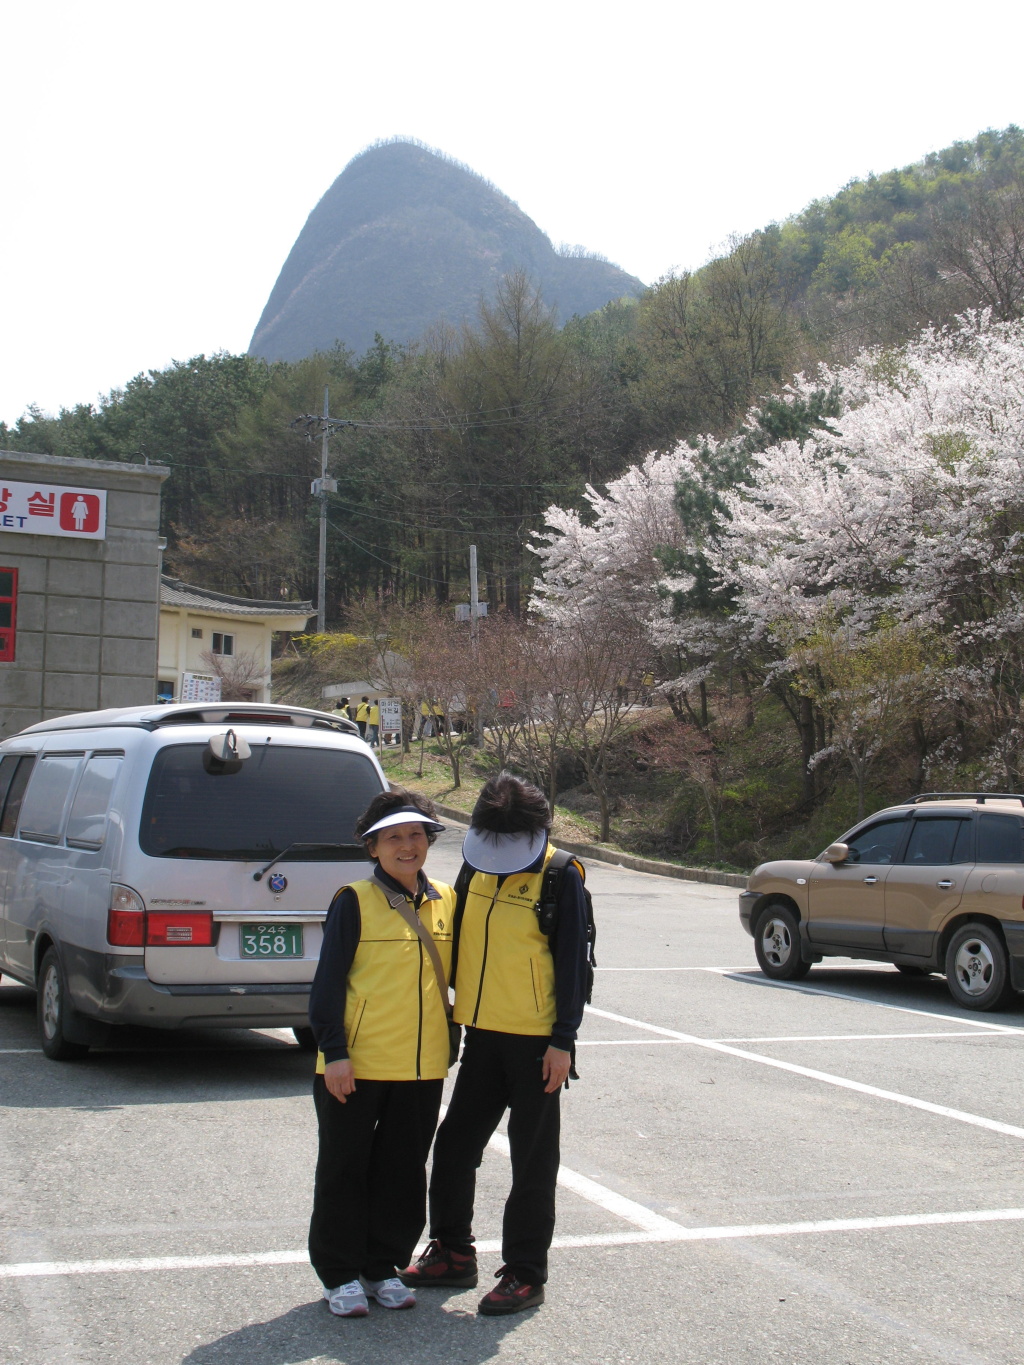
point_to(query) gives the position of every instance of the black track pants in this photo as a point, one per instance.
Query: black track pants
(369, 1198)
(499, 1071)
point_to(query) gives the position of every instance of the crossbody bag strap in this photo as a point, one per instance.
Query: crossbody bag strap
(412, 919)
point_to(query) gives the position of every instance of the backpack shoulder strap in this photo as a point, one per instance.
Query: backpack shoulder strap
(462, 882)
(561, 859)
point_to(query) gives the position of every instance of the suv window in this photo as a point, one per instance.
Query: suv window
(88, 818)
(280, 796)
(939, 839)
(43, 808)
(878, 843)
(1000, 839)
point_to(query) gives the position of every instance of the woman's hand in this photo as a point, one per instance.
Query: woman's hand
(340, 1078)
(556, 1069)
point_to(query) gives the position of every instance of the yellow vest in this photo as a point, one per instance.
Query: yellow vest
(506, 974)
(362, 711)
(374, 716)
(395, 1022)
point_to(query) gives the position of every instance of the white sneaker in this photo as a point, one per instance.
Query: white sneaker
(348, 1300)
(390, 1293)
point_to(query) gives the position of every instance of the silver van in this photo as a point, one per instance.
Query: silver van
(172, 865)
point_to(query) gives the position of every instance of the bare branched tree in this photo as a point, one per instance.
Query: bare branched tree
(240, 674)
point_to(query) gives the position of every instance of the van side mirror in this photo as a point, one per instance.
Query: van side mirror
(836, 853)
(224, 754)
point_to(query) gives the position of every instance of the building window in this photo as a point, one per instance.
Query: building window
(8, 613)
(196, 633)
(223, 644)
(164, 690)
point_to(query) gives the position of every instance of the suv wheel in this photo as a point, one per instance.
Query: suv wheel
(777, 943)
(51, 1011)
(977, 970)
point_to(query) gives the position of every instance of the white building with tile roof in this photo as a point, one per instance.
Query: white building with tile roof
(205, 633)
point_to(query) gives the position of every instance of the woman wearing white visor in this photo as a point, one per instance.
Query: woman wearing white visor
(378, 1008)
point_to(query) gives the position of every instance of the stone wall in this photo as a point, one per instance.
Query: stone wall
(87, 610)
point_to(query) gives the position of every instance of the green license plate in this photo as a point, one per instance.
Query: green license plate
(271, 940)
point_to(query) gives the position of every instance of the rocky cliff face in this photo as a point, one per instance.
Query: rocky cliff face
(405, 239)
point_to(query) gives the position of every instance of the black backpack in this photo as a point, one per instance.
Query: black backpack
(546, 908)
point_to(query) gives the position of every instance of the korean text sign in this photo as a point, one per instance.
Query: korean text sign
(47, 509)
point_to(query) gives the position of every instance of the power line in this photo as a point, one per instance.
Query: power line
(313, 425)
(410, 573)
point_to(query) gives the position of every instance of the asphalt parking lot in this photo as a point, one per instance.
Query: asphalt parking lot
(823, 1172)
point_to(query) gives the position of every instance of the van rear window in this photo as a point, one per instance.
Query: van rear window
(281, 796)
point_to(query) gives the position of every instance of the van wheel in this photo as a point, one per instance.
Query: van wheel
(777, 943)
(305, 1039)
(51, 1010)
(977, 971)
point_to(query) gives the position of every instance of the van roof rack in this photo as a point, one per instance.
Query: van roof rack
(980, 797)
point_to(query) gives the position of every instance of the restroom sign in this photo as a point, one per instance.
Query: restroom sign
(47, 509)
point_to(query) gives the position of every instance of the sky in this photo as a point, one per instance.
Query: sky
(159, 160)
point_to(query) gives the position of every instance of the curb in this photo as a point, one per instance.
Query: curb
(617, 859)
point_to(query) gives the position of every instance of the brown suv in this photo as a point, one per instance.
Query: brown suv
(933, 885)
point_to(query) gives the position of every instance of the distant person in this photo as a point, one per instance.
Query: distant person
(341, 706)
(520, 995)
(426, 723)
(363, 715)
(378, 1013)
(373, 722)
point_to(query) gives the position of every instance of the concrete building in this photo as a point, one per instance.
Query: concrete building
(79, 583)
(207, 634)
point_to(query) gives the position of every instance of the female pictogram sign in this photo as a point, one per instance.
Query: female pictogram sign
(80, 512)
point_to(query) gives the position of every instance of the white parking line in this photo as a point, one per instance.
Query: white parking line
(755, 978)
(628, 1042)
(943, 1111)
(782, 1038)
(637, 1214)
(856, 1037)
(672, 1233)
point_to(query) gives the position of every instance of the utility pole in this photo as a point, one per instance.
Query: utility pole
(320, 488)
(474, 601)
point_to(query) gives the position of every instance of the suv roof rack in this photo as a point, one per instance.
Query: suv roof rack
(980, 797)
(227, 713)
(155, 717)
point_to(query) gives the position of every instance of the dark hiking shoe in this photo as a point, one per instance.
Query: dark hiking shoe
(441, 1268)
(511, 1296)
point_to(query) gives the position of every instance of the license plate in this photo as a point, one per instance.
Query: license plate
(271, 940)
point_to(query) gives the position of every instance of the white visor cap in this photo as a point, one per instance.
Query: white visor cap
(407, 815)
(501, 854)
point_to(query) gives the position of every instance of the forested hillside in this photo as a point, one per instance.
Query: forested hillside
(471, 433)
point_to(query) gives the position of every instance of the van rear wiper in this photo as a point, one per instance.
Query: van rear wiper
(258, 876)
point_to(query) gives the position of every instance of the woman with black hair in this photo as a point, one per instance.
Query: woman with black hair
(378, 1008)
(521, 997)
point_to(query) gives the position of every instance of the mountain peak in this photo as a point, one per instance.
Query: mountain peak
(405, 238)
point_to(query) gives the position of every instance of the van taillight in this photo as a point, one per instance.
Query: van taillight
(169, 929)
(126, 918)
